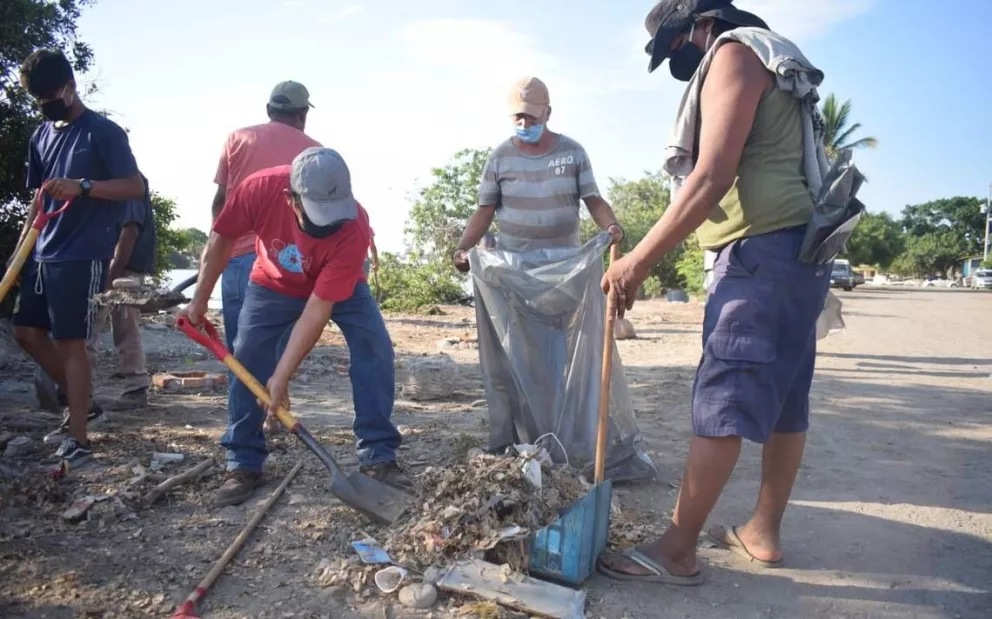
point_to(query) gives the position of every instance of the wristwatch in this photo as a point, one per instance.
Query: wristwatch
(85, 186)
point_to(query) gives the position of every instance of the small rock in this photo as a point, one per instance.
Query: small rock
(17, 446)
(623, 330)
(419, 596)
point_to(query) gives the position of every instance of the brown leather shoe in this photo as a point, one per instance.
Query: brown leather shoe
(237, 488)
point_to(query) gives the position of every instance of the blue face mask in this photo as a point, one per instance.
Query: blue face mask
(530, 135)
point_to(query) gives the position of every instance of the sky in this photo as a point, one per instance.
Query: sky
(400, 86)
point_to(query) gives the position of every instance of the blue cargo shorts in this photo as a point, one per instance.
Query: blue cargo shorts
(759, 339)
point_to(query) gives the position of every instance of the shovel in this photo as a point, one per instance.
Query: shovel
(24, 250)
(375, 500)
(567, 550)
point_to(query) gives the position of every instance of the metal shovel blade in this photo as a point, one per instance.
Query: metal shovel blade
(375, 500)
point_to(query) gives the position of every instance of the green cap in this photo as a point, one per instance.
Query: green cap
(290, 96)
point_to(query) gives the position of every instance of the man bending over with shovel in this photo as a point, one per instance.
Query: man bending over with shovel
(312, 238)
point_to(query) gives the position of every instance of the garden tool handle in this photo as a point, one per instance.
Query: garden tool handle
(602, 426)
(24, 250)
(209, 338)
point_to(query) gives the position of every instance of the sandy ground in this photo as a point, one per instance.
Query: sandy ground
(891, 516)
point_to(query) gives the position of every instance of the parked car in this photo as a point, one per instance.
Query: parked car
(981, 279)
(842, 276)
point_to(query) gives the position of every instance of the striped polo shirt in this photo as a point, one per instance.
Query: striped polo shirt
(537, 197)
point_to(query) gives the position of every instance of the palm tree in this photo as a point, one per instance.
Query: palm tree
(838, 134)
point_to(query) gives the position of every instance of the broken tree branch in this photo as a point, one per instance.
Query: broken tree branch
(159, 490)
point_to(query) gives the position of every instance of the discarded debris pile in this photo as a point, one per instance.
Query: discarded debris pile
(145, 298)
(469, 509)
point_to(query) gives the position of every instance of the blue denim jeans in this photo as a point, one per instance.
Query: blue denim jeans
(233, 288)
(266, 320)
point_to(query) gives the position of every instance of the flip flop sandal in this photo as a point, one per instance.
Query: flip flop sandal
(731, 541)
(658, 572)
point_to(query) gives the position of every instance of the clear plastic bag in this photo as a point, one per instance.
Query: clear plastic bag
(540, 318)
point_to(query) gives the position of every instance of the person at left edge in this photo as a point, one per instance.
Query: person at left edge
(312, 238)
(80, 155)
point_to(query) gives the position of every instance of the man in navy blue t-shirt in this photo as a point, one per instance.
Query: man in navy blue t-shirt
(80, 155)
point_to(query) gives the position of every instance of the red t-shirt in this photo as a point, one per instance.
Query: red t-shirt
(289, 261)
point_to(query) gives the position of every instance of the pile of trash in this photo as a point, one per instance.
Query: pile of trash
(481, 508)
(145, 298)
(466, 510)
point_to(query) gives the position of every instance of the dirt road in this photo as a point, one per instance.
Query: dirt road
(891, 517)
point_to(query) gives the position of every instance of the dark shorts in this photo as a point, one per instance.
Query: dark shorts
(759, 339)
(55, 296)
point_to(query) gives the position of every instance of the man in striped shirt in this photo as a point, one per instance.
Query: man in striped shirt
(532, 184)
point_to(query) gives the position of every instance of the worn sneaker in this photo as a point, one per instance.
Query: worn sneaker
(95, 418)
(72, 452)
(237, 488)
(388, 473)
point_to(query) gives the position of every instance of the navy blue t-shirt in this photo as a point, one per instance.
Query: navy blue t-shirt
(91, 147)
(140, 212)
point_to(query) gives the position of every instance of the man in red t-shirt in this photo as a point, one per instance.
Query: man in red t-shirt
(312, 237)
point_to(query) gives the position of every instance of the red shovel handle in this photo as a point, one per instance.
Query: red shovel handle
(204, 334)
(43, 218)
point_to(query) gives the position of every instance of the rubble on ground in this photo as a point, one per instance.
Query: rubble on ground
(146, 298)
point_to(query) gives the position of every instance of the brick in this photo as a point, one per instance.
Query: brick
(189, 381)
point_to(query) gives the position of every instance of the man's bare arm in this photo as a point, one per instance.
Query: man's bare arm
(122, 252)
(601, 212)
(477, 226)
(214, 259)
(219, 198)
(119, 189)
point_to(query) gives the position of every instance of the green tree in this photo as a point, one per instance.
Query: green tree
(931, 254)
(408, 286)
(839, 133)
(26, 25)
(690, 267)
(170, 241)
(877, 240)
(638, 206)
(960, 216)
(440, 210)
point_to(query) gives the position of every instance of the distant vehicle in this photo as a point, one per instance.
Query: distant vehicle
(859, 278)
(981, 279)
(842, 276)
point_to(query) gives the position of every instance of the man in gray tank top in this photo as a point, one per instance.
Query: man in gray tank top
(533, 183)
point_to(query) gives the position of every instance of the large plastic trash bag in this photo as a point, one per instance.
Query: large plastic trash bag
(540, 318)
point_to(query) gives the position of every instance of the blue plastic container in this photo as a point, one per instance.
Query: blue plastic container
(566, 550)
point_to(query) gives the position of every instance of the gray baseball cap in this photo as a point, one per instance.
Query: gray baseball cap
(290, 96)
(321, 178)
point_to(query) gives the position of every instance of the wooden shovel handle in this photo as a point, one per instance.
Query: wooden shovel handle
(603, 423)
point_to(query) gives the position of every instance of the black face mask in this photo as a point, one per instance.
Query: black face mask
(318, 232)
(684, 62)
(56, 110)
